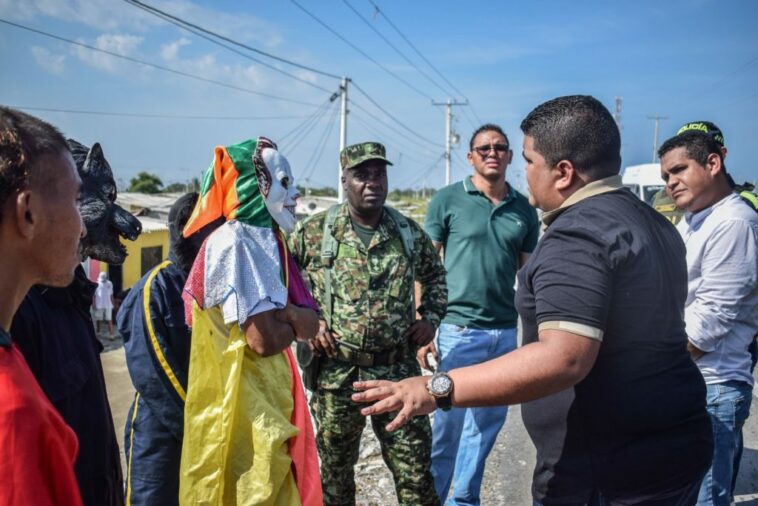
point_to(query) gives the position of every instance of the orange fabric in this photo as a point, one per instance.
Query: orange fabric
(221, 198)
(303, 446)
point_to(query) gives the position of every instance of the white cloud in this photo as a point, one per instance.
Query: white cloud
(170, 51)
(114, 16)
(53, 63)
(116, 43)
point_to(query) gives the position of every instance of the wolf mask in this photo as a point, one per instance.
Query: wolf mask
(106, 222)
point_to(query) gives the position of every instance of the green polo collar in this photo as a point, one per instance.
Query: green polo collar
(598, 187)
(469, 186)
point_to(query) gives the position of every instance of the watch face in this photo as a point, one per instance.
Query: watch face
(441, 384)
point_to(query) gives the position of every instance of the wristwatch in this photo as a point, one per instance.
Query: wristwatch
(440, 386)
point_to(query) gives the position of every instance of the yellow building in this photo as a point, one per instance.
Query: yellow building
(151, 247)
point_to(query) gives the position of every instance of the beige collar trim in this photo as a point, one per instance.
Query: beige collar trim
(598, 187)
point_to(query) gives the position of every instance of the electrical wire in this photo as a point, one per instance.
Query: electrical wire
(406, 148)
(201, 32)
(316, 156)
(393, 118)
(359, 50)
(725, 77)
(318, 112)
(424, 173)
(467, 115)
(232, 41)
(389, 21)
(152, 116)
(390, 44)
(155, 66)
(307, 129)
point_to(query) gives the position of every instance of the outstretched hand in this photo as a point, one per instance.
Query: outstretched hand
(409, 396)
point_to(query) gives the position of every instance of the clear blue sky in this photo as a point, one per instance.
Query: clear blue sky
(687, 60)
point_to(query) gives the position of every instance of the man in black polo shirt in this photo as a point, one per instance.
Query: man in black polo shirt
(611, 399)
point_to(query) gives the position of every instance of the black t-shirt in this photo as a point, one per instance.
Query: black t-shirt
(637, 423)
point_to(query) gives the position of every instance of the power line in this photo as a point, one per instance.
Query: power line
(362, 52)
(306, 131)
(231, 41)
(204, 33)
(714, 85)
(319, 151)
(425, 172)
(151, 116)
(393, 118)
(406, 148)
(389, 21)
(317, 113)
(390, 44)
(155, 66)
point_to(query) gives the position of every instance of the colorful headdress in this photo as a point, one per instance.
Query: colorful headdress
(234, 186)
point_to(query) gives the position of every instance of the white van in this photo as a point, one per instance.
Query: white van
(644, 180)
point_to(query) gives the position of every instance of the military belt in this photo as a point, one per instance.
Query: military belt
(355, 356)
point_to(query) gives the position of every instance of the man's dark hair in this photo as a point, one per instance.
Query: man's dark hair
(577, 128)
(698, 146)
(24, 139)
(487, 127)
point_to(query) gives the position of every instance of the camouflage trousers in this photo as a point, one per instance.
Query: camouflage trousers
(407, 451)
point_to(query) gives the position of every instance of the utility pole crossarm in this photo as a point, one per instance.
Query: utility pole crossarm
(448, 133)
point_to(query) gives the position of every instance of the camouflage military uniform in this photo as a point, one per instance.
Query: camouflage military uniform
(371, 292)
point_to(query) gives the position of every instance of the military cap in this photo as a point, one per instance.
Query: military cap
(356, 154)
(706, 127)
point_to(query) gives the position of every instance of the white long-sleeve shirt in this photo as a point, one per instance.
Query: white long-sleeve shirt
(721, 311)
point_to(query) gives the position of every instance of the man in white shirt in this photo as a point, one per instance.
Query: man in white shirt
(721, 310)
(104, 303)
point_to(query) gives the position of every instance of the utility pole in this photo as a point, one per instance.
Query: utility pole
(655, 135)
(343, 136)
(450, 136)
(617, 114)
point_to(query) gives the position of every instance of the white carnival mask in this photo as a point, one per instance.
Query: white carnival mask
(281, 196)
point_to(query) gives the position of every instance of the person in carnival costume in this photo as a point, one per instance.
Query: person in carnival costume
(248, 437)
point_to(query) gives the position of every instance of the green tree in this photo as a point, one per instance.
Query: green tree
(175, 188)
(145, 182)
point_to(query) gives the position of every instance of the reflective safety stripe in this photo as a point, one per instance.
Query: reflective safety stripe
(131, 453)
(153, 339)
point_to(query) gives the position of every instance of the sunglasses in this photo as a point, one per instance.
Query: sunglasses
(498, 148)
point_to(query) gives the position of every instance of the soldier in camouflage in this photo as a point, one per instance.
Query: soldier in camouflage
(373, 332)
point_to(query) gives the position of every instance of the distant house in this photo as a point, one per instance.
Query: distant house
(306, 206)
(151, 247)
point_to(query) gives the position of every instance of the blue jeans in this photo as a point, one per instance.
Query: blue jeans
(729, 405)
(463, 437)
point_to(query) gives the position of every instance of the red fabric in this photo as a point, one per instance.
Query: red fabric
(296, 289)
(194, 288)
(37, 448)
(303, 446)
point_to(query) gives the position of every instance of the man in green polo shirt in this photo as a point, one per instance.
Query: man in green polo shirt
(486, 230)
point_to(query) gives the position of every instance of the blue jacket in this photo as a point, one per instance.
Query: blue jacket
(157, 343)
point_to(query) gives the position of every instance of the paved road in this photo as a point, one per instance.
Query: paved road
(507, 477)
